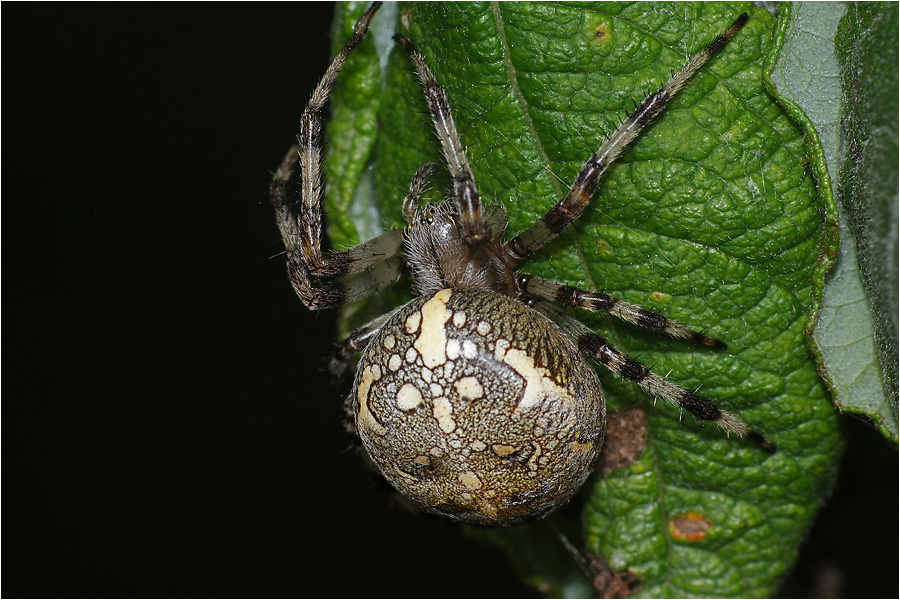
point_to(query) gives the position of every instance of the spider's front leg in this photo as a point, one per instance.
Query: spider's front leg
(465, 194)
(326, 280)
(567, 210)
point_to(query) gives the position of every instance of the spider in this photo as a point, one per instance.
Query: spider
(476, 399)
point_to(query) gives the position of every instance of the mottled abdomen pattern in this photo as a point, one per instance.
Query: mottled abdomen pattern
(478, 408)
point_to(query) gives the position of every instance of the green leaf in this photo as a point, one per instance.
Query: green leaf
(867, 46)
(711, 217)
(867, 49)
(854, 337)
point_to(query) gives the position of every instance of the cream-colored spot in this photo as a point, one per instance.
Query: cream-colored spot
(436, 452)
(426, 375)
(459, 318)
(533, 459)
(469, 388)
(483, 327)
(478, 445)
(539, 387)
(500, 348)
(432, 340)
(502, 449)
(412, 322)
(453, 349)
(411, 355)
(442, 412)
(370, 375)
(409, 397)
(389, 341)
(422, 460)
(469, 349)
(470, 480)
(436, 390)
(395, 362)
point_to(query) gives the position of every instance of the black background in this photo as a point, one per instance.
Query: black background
(168, 430)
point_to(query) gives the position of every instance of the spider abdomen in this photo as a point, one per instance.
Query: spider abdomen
(478, 408)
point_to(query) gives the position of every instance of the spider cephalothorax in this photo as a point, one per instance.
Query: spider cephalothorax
(475, 399)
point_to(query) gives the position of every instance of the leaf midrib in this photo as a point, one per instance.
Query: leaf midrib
(513, 80)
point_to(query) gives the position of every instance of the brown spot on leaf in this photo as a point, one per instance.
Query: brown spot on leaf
(626, 436)
(690, 527)
(598, 29)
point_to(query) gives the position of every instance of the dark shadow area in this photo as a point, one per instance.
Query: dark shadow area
(168, 427)
(852, 551)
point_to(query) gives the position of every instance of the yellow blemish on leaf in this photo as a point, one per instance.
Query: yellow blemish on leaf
(690, 527)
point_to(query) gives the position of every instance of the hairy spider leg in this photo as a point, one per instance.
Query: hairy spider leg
(599, 349)
(356, 342)
(567, 295)
(326, 280)
(570, 207)
(417, 186)
(464, 193)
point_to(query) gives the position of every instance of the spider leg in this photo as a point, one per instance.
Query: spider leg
(349, 262)
(465, 194)
(416, 186)
(325, 280)
(356, 342)
(567, 295)
(570, 207)
(599, 349)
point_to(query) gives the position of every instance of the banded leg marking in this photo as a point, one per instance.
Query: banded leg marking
(325, 280)
(571, 206)
(320, 293)
(567, 295)
(599, 349)
(464, 192)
